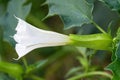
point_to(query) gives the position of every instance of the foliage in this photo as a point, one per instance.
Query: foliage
(66, 62)
(73, 13)
(116, 58)
(114, 4)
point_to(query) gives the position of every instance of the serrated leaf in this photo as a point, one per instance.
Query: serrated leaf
(72, 12)
(8, 21)
(115, 65)
(113, 4)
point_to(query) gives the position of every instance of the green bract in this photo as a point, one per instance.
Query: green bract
(94, 41)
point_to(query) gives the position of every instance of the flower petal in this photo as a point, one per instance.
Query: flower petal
(29, 37)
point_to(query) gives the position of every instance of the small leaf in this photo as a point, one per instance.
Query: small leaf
(72, 12)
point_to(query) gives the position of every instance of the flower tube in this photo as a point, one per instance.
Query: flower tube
(29, 38)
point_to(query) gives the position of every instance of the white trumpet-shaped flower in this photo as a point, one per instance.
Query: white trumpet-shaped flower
(29, 38)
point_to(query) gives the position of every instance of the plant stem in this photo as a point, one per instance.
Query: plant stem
(98, 27)
(25, 62)
(91, 56)
(91, 74)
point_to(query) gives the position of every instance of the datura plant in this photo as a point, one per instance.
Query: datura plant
(29, 38)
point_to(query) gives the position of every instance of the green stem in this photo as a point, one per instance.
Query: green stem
(84, 57)
(91, 56)
(98, 27)
(25, 62)
(87, 63)
(91, 74)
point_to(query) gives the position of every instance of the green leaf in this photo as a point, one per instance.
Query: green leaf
(72, 12)
(8, 21)
(115, 65)
(113, 4)
(116, 42)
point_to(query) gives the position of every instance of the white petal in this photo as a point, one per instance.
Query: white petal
(29, 37)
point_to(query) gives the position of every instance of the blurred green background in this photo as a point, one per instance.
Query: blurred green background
(51, 63)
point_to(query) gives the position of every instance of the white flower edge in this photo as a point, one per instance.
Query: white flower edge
(29, 38)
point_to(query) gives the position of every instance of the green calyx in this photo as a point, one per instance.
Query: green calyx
(94, 41)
